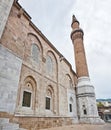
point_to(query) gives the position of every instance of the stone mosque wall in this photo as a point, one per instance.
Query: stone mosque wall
(37, 77)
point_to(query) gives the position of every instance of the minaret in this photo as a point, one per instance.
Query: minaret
(86, 101)
(5, 7)
(80, 58)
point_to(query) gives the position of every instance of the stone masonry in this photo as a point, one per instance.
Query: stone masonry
(5, 7)
(38, 87)
(10, 67)
(33, 76)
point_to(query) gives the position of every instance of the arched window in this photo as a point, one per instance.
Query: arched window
(27, 94)
(35, 53)
(49, 65)
(49, 98)
(69, 82)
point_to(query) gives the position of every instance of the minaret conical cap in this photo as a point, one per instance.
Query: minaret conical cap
(74, 19)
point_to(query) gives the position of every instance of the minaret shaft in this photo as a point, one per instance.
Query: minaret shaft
(80, 58)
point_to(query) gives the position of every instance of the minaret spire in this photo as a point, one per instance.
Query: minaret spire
(75, 22)
(74, 19)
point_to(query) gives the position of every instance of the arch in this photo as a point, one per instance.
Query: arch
(49, 52)
(71, 99)
(34, 35)
(34, 40)
(28, 93)
(49, 98)
(51, 64)
(69, 81)
(37, 39)
(31, 80)
(50, 88)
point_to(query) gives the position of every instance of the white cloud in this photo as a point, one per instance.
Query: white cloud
(53, 18)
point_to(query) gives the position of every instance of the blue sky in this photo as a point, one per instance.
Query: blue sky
(53, 18)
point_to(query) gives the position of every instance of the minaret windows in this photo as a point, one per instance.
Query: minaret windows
(71, 105)
(84, 110)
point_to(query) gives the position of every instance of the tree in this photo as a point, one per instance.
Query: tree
(99, 104)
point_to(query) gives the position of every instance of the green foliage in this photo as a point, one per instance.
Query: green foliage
(99, 104)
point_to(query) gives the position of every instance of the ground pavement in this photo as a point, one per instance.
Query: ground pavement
(106, 126)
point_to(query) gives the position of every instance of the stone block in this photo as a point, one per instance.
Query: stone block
(9, 79)
(5, 7)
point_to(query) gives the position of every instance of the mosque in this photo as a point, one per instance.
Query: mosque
(38, 87)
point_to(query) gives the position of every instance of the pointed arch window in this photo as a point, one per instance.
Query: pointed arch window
(27, 95)
(35, 53)
(28, 92)
(49, 99)
(49, 65)
(69, 81)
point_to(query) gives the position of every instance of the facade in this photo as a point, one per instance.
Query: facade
(38, 88)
